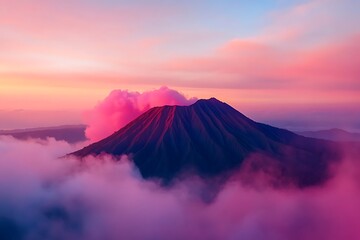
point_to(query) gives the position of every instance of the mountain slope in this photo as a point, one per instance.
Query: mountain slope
(210, 138)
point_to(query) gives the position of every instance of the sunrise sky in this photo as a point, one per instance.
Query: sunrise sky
(298, 61)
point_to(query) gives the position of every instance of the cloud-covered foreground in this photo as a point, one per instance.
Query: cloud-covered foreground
(122, 106)
(44, 197)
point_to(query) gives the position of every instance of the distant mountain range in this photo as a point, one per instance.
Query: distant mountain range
(68, 133)
(334, 134)
(210, 138)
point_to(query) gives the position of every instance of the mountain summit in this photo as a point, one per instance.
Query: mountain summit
(210, 137)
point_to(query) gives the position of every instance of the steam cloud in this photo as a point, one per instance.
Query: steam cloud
(44, 197)
(122, 106)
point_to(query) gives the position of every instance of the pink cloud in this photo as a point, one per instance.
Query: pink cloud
(44, 197)
(331, 62)
(76, 36)
(244, 57)
(122, 106)
(326, 66)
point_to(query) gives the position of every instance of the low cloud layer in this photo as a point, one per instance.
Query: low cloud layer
(46, 197)
(122, 106)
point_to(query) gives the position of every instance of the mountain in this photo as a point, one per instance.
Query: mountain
(68, 133)
(210, 138)
(334, 134)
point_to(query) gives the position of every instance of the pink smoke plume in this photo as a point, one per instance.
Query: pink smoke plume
(122, 106)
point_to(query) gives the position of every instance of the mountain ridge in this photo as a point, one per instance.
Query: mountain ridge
(68, 133)
(334, 134)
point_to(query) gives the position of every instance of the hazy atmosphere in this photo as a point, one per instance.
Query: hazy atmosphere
(155, 119)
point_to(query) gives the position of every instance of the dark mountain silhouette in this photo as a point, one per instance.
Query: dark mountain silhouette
(68, 133)
(334, 134)
(211, 138)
